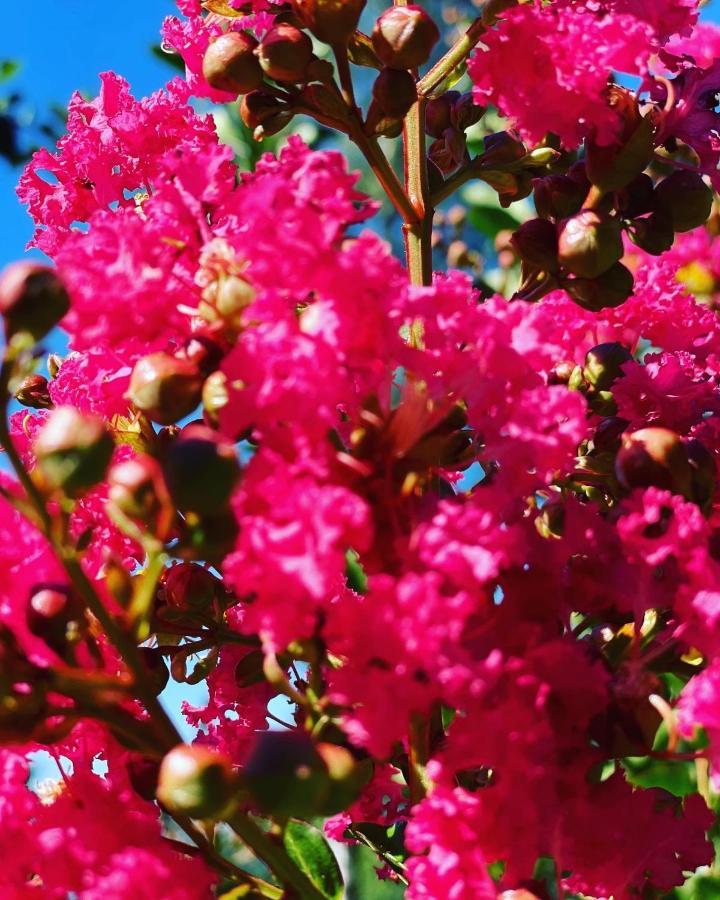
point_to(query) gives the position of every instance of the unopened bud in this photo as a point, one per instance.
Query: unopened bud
(157, 673)
(610, 289)
(264, 114)
(438, 113)
(33, 392)
(143, 775)
(347, 777)
(590, 243)
(557, 197)
(165, 387)
(188, 585)
(226, 301)
(654, 457)
(501, 148)
(54, 361)
(448, 151)
(637, 198)
(704, 473)
(653, 234)
(209, 538)
(536, 242)
(331, 21)
(196, 782)
(404, 36)
(685, 199)
(202, 352)
(603, 365)
(55, 615)
(465, 112)
(608, 433)
(73, 450)
(230, 63)
(394, 91)
(285, 53)
(201, 470)
(136, 488)
(33, 299)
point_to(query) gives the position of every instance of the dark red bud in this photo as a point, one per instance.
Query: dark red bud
(189, 586)
(165, 387)
(73, 450)
(264, 114)
(332, 21)
(448, 152)
(653, 234)
(590, 243)
(201, 470)
(654, 457)
(685, 199)
(465, 112)
(557, 197)
(33, 299)
(394, 91)
(638, 198)
(536, 242)
(404, 36)
(610, 289)
(33, 392)
(438, 113)
(604, 365)
(285, 53)
(608, 433)
(501, 148)
(230, 63)
(143, 774)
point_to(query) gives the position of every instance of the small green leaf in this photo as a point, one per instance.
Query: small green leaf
(675, 776)
(308, 848)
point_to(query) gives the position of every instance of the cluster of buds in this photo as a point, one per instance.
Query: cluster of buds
(447, 118)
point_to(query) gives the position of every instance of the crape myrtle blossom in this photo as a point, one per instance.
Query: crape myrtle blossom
(472, 540)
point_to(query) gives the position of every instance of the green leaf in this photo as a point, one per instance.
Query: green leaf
(354, 573)
(676, 777)
(308, 848)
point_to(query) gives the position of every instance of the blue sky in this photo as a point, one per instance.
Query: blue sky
(63, 45)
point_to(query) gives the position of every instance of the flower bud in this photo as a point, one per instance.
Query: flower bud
(608, 290)
(230, 63)
(157, 673)
(210, 537)
(536, 241)
(54, 361)
(557, 197)
(73, 450)
(347, 777)
(33, 299)
(654, 457)
(137, 488)
(448, 151)
(201, 470)
(438, 113)
(226, 301)
(465, 112)
(603, 365)
(55, 615)
(403, 37)
(608, 434)
(187, 585)
(331, 21)
(501, 148)
(202, 352)
(653, 234)
(165, 387)
(143, 775)
(33, 392)
(638, 198)
(285, 774)
(264, 114)
(589, 243)
(394, 91)
(685, 199)
(285, 53)
(196, 782)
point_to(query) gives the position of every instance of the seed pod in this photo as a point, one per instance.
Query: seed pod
(33, 392)
(404, 36)
(165, 387)
(536, 242)
(589, 243)
(201, 470)
(55, 615)
(608, 290)
(196, 782)
(331, 21)
(230, 63)
(654, 457)
(394, 91)
(685, 199)
(33, 299)
(73, 450)
(603, 365)
(285, 53)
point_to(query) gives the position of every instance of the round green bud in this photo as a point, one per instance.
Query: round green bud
(73, 450)
(197, 782)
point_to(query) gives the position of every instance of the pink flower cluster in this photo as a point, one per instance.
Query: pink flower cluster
(539, 613)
